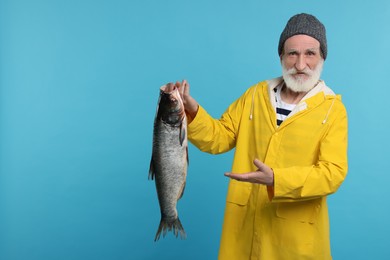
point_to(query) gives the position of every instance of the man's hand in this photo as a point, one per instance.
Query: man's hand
(190, 104)
(263, 175)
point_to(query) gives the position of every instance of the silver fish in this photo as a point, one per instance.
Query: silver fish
(169, 161)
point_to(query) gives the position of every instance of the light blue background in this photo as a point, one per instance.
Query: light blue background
(79, 84)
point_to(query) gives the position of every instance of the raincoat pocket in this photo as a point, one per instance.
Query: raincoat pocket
(238, 192)
(237, 203)
(295, 227)
(302, 211)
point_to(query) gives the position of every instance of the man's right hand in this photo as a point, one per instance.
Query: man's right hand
(190, 104)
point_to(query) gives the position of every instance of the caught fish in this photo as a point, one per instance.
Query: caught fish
(169, 161)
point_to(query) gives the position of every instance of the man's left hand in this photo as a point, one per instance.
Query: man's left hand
(263, 175)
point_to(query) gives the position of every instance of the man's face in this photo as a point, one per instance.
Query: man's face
(302, 62)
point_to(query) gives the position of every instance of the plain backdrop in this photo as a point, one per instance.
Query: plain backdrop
(79, 83)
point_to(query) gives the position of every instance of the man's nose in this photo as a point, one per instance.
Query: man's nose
(300, 64)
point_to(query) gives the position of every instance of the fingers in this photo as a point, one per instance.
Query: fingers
(264, 175)
(190, 104)
(237, 177)
(186, 87)
(183, 87)
(268, 173)
(180, 88)
(258, 163)
(177, 85)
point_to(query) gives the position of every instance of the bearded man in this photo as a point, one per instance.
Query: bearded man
(290, 140)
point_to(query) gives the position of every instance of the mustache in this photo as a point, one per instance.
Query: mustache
(294, 71)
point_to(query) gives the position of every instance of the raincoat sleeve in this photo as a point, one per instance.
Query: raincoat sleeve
(216, 136)
(321, 179)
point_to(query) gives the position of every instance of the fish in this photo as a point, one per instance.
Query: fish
(169, 162)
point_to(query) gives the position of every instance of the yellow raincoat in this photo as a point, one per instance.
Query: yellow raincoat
(308, 154)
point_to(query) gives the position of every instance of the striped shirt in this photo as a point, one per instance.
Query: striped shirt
(283, 109)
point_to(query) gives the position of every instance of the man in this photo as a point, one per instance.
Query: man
(290, 136)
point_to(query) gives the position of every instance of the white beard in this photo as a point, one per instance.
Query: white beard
(299, 84)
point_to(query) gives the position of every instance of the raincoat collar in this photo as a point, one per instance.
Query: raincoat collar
(310, 99)
(314, 97)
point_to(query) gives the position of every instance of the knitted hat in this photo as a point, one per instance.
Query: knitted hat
(304, 24)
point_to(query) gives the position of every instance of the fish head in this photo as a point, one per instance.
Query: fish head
(171, 107)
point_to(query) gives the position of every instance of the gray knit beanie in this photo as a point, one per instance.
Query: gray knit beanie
(304, 24)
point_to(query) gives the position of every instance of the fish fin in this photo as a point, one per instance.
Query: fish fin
(158, 107)
(188, 159)
(151, 170)
(175, 226)
(182, 191)
(182, 133)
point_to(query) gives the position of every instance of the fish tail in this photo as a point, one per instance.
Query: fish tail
(166, 225)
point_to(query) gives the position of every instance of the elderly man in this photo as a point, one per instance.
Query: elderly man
(290, 136)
